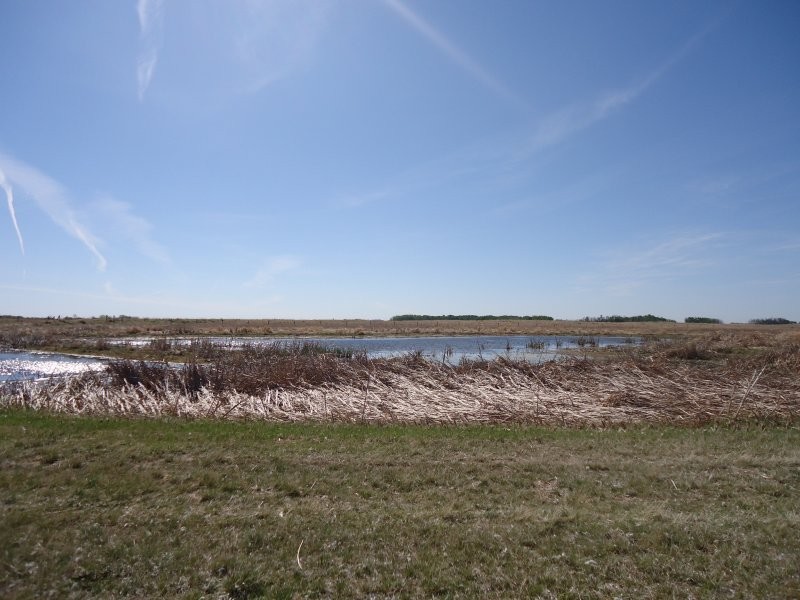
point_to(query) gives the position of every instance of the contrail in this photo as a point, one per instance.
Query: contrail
(10, 198)
(51, 198)
(151, 23)
(451, 51)
(85, 237)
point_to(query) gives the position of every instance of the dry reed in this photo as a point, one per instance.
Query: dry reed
(715, 379)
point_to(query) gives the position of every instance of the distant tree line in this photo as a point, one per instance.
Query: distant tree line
(702, 320)
(635, 319)
(772, 321)
(470, 318)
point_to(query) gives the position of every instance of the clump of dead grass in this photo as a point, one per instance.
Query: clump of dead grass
(702, 381)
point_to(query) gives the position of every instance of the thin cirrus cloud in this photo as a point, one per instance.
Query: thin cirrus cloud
(118, 216)
(13, 213)
(274, 38)
(272, 267)
(631, 267)
(455, 54)
(569, 120)
(562, 124)
(246, 46)
(681, 252)
(151, 25)
(508, 157)
(51, 197)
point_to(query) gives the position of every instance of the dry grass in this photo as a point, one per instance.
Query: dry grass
(717, 378)
(27, 331)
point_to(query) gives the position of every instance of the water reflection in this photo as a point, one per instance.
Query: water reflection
(449, 349)
(18, 366)
(23, 366)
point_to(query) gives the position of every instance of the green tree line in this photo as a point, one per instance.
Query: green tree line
(648, 318)
(470, 318)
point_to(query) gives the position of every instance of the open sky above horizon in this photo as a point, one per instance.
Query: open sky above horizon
(365, 158)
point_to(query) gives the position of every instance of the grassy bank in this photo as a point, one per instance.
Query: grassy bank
(211, 509)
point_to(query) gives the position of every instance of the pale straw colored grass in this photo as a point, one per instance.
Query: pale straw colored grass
(567, 393)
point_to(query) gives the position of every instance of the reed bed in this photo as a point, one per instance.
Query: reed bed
(716, 379)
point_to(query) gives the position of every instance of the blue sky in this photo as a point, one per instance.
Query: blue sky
(364, 158)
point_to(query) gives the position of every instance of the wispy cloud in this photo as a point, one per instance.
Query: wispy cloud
(452, 52)
(503, 166)
(565, 122)
(51, 197)
(10, 199)
(151, 25)
(505, 161)
(119, 217)
(246, 45)
(628, 268)
(272, 267)
(585, 187)
(358, 200)
(275, 37)
(682, 252)
(474, 163)
(789, 246)
(748, 185)
(569, 120)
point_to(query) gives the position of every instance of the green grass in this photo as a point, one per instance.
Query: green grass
(209, 509)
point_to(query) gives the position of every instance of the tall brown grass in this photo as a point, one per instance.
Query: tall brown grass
(718, 378)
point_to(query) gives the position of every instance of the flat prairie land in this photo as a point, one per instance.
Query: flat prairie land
(94, 507)
(108, 327)
(670, 469)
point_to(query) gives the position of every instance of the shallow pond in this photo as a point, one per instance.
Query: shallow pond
(19, 366)
(451, 349)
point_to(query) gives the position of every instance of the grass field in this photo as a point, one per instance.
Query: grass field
(166, 508)
(43, 330)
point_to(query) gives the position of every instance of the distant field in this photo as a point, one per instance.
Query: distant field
(130, 508)
(129, 326)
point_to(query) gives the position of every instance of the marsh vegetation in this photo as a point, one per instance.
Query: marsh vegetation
(61, 333)
(248, 471)
(716, 378)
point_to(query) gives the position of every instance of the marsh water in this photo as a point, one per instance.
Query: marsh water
(20, 366)
(451, 349)
(16, 366)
